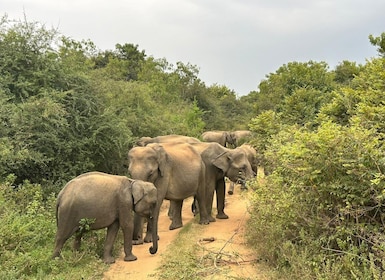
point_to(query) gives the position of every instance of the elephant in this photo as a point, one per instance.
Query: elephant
(238, 136)
(143, 141)
(107, 201)
(221, 137)
(221, 162)
(252, 157)
(177, 171)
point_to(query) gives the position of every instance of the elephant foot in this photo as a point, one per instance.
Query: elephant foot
(148, 238)
(212, 219)
(109, 260)
(230, 192)
(56, 255)
(137, 242)
(204, 222)
(175, 226)
(130, 258)
(222, 216)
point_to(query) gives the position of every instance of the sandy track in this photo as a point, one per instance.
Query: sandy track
(229, 245)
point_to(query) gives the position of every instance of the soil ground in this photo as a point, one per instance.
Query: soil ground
(229, 245)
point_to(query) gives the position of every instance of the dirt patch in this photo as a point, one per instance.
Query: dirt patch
(227, 247)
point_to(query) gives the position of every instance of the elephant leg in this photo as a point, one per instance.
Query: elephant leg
(112, 231)
(137, 236)
(220, 191)
(176, 206)
(195, 206)
(62, 236)
(127, 240)
(148, 237)
(151, 231)
(203, 216)
(170, 212)
(243, 185)
(231, 188)
(77, 240)
(209, 205)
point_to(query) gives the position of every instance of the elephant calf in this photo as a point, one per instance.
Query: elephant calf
(107, 201)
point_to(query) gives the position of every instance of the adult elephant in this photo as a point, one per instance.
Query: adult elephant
(106, 201)
(221, 162)
(218, 136)
(177, 171)
(143, 141)
(238, 136)
(252, 157)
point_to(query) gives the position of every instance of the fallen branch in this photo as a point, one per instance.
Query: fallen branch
(208, 239)
(228, 241)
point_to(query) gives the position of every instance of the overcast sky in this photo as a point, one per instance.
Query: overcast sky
(235, 43)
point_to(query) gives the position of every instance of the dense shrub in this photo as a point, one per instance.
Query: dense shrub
(321, 211)
(27, 235)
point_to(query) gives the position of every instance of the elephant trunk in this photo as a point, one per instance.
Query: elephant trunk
(154, 247)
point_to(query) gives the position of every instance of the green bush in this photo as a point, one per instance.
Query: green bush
(321, 210)
(27, 236)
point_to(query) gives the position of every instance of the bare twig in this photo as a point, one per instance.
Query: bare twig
(228, 241)
(207, 239)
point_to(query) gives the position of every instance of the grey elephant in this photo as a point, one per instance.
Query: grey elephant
(221, 162)
(143, 141)
(177, 171)
(239, 136)
(222, 137)
(252, 157)
(107, 201)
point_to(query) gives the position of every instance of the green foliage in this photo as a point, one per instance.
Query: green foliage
(124, 63)
(323, 203)
(346, 71)
(264, 126)
(58, 127)
(28, 62)
(67, 108)
(85, 225)
(302, 106)
(320, 211)
(379, 42)
(288, 79)
(27, 234)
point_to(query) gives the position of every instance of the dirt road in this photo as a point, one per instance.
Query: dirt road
(229, 243)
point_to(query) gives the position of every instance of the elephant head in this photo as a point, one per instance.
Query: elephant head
(230, 140)
(239, 136)
(143, 141)
(147, 163)
(234, 164)
(144, 194)
(218, 136)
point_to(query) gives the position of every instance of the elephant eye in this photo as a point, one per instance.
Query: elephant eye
(242, 169)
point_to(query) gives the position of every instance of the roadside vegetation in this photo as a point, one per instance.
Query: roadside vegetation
(67, 107)
(320, 212)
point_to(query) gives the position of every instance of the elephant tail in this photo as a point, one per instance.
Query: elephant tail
(57, 211)
(57, 207)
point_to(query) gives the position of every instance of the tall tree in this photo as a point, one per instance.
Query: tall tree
(379, 42)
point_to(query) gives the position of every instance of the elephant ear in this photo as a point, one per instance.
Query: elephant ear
(162, 158)
(222, 161)
(137, 192)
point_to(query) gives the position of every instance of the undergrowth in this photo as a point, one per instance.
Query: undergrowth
(27, 235)
(320, 213)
